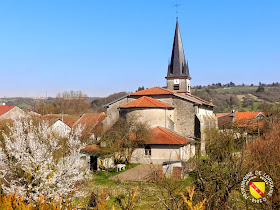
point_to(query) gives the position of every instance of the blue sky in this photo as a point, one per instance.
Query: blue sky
(102, 47)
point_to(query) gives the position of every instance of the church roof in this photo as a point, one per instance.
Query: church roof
(153, 91)
(145, 101)
(178, 67)
(163, 91)
(160, 135)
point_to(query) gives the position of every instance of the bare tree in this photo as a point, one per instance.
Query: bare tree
(73, 102)
(124, 137)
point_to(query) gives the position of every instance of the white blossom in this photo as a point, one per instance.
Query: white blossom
(28, 165)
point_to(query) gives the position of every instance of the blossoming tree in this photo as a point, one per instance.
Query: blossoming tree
(28, 163)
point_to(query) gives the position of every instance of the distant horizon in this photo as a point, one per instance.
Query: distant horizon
(54, 96)
(104, 47)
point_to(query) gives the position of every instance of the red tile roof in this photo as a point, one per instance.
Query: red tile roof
(153, 91)
(67, 119)
(248, 119)
(4, 109)
(240, 119)
(145, 101)
(70, 120)
(91, 148)
(161, 135)
(246, 115)
(90, 121)
(163, 91)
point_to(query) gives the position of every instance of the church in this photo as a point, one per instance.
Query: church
(176, 118)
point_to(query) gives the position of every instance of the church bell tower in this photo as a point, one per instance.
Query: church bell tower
(178, 76)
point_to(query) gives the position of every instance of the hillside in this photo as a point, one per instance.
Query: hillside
(242, 98)
(224, 97)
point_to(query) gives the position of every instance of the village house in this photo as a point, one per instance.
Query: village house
(245, 124)
(176, 117)
(61, 128)
(11, 112)
(60, 124)
(166, 144)
(91, 124)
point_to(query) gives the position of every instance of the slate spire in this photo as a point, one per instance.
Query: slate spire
(178, 67)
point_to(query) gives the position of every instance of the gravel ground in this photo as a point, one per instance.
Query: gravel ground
(139, 173)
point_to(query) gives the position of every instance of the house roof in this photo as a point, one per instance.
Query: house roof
(90, 148)
(145, 101)
(70, 120)
(240, 119)
(246, 115)
(224, 119)
(247, 119)
(219, 115)
(178, 66)
(4, 109)
(67, 119)
(90, 121)
(160, 135)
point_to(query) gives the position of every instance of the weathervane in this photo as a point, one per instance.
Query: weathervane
(177, 5)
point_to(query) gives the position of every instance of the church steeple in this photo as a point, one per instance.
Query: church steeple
(178, 65)
(178, 76)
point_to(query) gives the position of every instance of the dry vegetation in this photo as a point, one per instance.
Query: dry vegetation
(242, 98)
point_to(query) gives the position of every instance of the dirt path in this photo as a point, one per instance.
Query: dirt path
(139, 173)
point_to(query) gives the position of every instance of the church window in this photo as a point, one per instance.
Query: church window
(148, 151)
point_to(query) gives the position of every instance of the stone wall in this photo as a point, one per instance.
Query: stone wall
(151, 116)
(207, 120)
(184, 85)
(184, 117)
(113, 112)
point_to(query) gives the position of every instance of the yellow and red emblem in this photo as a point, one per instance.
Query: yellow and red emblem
(257, 189)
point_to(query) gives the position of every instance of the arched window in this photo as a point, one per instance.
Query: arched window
(148, 151)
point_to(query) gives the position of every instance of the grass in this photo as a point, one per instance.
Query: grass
(145, 199)
(236, 89)
(239, 90)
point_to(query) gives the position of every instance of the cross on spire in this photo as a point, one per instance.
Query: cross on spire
(177, 5)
